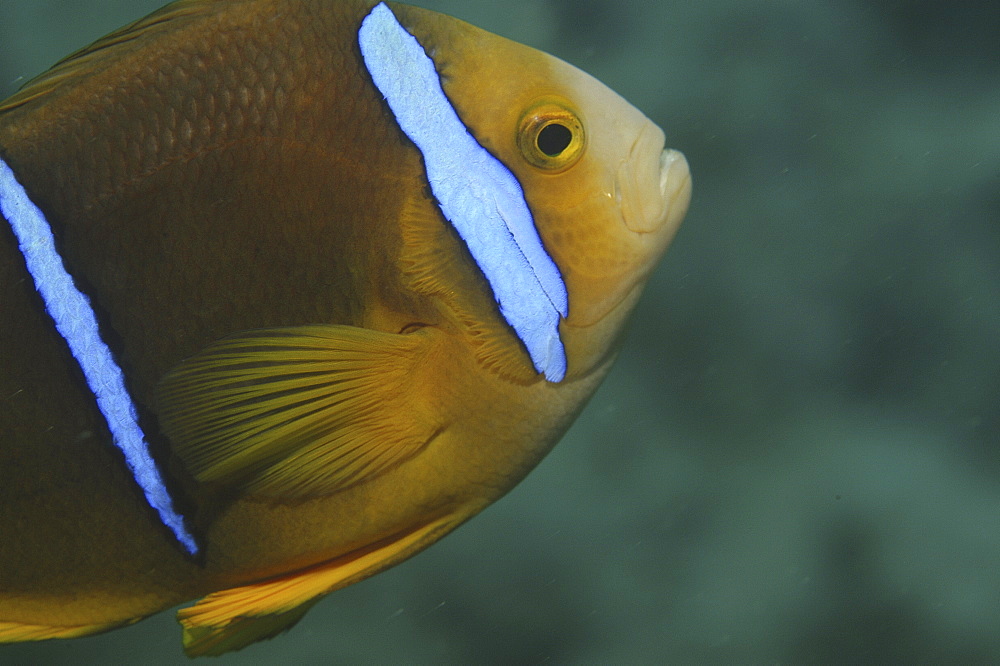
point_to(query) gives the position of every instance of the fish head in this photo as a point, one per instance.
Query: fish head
(605, 195)
(608, 214)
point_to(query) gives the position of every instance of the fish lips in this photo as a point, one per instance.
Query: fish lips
(652, 185)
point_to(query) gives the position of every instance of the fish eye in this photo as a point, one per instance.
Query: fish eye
(550, 136)
(554, 138)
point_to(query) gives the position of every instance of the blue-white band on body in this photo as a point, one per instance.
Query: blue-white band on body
(75, 321)
(477, 194)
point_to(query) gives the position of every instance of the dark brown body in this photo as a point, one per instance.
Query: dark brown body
(196, 200)
(198, 192)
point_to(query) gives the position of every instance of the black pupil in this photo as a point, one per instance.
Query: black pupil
(553, 139)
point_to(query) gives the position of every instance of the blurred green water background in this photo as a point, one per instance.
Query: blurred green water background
(796, 459)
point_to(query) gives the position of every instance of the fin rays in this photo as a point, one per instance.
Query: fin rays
(297, 412)
(231, 619)
(15, 632)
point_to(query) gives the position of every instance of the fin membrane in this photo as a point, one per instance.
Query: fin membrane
(232, 619)
(301, 412)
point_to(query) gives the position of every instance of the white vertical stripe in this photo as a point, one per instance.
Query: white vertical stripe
(477, 194)
(76, 323)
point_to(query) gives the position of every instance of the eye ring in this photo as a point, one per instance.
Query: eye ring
(550, 136)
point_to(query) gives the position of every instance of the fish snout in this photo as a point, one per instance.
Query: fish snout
(653, 185)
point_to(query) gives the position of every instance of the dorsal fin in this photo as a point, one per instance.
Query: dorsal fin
(86, 61)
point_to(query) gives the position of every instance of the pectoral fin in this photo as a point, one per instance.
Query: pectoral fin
(232, 619)
(300, 412)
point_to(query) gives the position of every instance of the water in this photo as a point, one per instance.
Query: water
(795, 459)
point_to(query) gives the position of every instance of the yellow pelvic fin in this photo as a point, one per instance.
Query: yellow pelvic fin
(232, 619)
(300, 412)
(16, 632)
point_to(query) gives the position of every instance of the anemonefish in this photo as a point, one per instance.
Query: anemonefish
(290, 289)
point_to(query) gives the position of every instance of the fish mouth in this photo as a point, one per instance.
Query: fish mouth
(653, 184)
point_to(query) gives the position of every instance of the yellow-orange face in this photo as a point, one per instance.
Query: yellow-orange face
(605, 196)
(608, 214)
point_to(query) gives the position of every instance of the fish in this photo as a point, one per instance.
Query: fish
(291, 289)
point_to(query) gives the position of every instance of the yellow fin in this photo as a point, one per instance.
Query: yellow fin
(232, 619)
(293, 413)
(85, 61)
(237, 632)
(16, 632)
